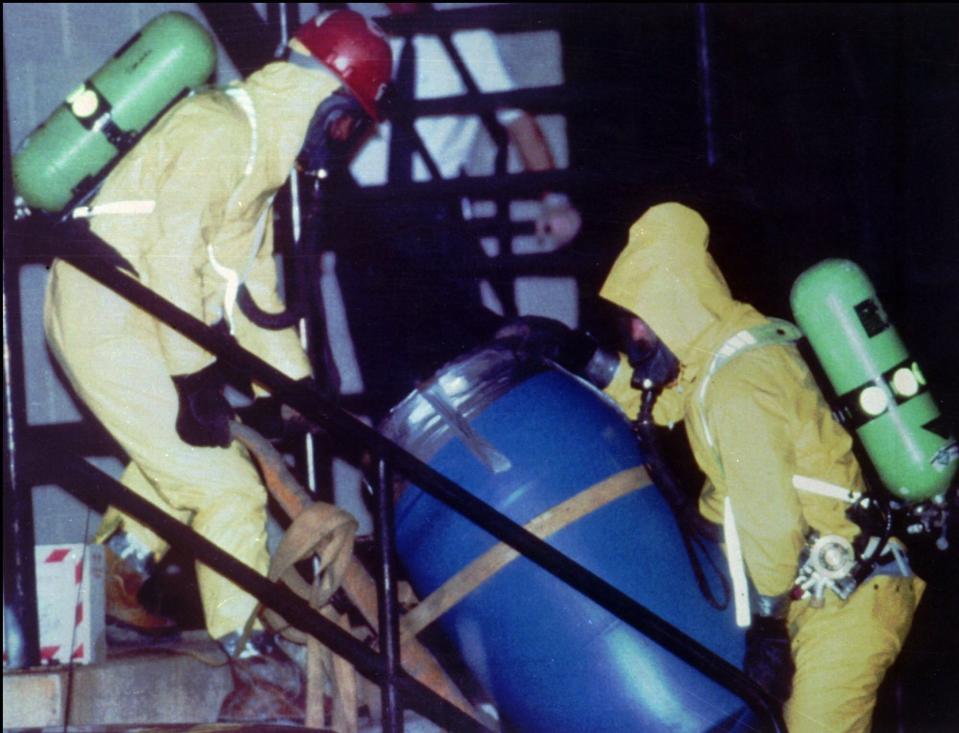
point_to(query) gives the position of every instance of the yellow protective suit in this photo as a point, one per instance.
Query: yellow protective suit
(190, 207)
(768, 423)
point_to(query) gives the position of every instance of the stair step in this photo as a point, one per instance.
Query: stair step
(171, 687)
(166, 683)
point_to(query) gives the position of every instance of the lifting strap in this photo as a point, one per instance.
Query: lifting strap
(326, 531)
(500, 555)
(359, 588)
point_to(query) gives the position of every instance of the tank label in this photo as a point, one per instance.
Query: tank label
(872, 317)
(83, 102)
(88, 105)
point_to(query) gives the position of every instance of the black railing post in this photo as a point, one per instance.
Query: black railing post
(387, 598)
(22, 627)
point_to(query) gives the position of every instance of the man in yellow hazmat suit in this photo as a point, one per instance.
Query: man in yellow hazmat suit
(777, 464)
(190, 210)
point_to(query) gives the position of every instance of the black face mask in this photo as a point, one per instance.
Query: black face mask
(654, 365)
(322, 154)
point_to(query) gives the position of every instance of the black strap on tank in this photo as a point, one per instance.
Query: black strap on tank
(123, 141)
(101, 120)
(851, 412)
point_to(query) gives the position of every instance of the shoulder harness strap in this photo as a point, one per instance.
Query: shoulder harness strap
(775, 332)
(234, 280)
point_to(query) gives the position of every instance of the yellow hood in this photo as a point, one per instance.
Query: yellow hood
(285, 96)
(665, 276)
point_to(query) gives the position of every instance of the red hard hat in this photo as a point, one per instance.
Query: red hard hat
(356, 50)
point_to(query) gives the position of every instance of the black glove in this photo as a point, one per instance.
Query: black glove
(264, 416)
(204, 416)
(768, 660)
(539, 339)
(274, 420)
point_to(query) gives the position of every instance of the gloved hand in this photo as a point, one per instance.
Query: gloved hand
(275, 420)
(536, 338)
(264, 416)
(768, 660)
(204, 417)
(539, 339)
(558, 222)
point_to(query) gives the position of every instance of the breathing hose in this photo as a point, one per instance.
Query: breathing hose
(693, 529)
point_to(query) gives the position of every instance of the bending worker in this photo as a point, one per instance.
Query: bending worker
(763, 435)
(190, 210)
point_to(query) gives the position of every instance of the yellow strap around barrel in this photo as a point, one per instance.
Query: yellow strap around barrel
(500, 555)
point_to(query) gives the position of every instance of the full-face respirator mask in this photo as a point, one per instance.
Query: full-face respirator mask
(654, 365)
(338, 128)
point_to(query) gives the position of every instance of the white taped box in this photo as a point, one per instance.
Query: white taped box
(70, 603)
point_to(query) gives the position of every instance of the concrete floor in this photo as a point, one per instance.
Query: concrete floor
(177, 683)
(174, 687)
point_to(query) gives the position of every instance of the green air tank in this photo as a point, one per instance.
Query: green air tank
(882, 392)
(61, 160)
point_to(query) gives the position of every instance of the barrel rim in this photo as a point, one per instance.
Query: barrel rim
(467, 385)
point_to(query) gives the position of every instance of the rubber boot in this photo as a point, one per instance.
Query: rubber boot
(268, 686)
(128, 566)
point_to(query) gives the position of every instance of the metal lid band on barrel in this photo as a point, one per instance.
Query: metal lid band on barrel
(441, 408)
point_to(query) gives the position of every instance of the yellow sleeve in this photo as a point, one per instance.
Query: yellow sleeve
(187, 166)
(282, 349)
(748, 413)
(191, 198)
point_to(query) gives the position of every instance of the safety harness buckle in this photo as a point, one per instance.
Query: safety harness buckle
(826, 563)
(831, 562)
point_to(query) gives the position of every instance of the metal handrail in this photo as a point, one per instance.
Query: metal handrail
(100, 486)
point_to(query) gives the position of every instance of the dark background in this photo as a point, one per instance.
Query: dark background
(835, 130)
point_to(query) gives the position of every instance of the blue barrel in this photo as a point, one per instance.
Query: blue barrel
(524, 439)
